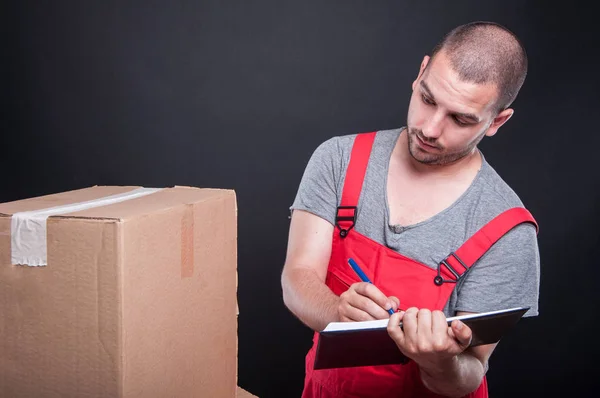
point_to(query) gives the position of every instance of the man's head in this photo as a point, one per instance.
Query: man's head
(463, 91)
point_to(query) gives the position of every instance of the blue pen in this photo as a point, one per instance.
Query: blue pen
(363, 277)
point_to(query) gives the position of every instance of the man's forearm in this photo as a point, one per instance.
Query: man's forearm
(460, 376)
(309, 298)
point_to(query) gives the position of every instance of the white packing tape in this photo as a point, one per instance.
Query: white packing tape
(28, 228)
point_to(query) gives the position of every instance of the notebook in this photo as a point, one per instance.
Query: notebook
(350, 344)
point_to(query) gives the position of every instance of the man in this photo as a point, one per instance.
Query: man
(405, 203)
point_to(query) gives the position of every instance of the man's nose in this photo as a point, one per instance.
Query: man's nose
(433, 127)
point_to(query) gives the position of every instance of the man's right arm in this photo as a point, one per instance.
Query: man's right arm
(303, 277)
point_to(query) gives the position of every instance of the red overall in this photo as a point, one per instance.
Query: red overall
(415, 284)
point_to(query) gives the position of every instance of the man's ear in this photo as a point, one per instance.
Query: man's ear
(423, 66)
(498, 121)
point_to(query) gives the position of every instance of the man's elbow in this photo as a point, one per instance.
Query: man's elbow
(286, 289)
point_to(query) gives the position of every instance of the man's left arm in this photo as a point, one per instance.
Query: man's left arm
(509, 273)
(448, 365)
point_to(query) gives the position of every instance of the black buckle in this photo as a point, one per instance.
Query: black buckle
(338, 218)
(438, 280)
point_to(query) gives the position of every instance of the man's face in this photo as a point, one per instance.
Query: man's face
(447, 117)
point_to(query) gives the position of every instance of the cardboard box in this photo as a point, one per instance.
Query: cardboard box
(137, 299)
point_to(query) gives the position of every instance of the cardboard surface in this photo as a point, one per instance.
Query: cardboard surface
(241, 393)
(138, 298)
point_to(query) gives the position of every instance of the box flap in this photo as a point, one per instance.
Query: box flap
(160, 201)
(164, 199)
(61, 199)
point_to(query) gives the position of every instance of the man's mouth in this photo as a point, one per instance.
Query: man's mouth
(424, 144)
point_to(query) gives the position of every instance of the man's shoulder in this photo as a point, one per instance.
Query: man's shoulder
(489, 197)
(337, 143)
(497, 189)
(342, 144)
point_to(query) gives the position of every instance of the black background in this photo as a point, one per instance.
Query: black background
(237, 94)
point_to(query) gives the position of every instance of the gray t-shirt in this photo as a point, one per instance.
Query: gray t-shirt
(507, 276)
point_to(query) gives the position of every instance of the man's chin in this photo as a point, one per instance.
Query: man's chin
(423, 157)
(428, 160)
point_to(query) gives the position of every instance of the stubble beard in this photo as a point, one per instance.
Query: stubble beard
(440, 158)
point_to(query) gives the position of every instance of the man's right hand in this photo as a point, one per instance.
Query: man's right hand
(363, 301)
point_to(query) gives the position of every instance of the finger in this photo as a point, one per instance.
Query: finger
(439, 325)
(439, 328)
(371, 291)
(409, 324)
(350, 313)
(394, 329)
(353, 297)
(462, 333)
(369, 306)
(424, 329)
(395, 303)
(348, 308)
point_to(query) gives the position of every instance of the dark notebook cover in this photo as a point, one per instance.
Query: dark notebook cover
(348, 344)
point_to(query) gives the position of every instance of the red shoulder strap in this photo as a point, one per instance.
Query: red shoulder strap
(458, 262)
(357, 168)
(355, 175)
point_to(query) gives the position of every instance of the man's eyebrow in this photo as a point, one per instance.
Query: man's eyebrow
(425, 88)
(469, 116)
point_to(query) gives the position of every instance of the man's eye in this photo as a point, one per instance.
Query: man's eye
(459, 122)
(427, 100)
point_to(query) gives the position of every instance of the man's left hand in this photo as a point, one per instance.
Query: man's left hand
(426, 338)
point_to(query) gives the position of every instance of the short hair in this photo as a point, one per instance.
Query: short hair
(487, 52)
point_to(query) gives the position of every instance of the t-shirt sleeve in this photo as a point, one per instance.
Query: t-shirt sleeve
(506, 276)
(318, 190)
